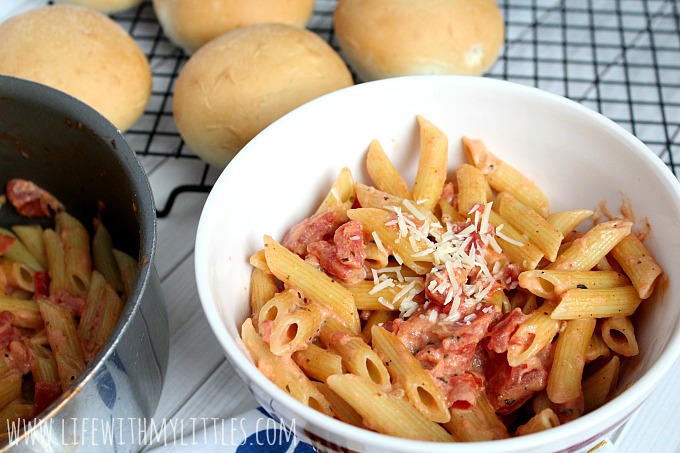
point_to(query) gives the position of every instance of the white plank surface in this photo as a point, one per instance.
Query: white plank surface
(202, 384)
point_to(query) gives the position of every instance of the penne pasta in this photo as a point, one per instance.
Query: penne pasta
(530, 224)
(369, 296)
(31, 236)
(376, 220)
(15, 413)
(19, 252)
(603, 265)
(564, 382)
(504, 178)
(472, 188)
(598, 386)
(421, 390)
(100, 315)
(385, 413)
(500, 300)
(293, 331)
(127, 266)
(431, 173)
(55, 261)
(259, 261)
(340, 197)
(357, 357)
(545, 419)
(39, 337)
(521, 299)
(567, 221)
(10, 387)
(376, 258)
(383, 173)
(316, 285)
(541, 401)
(479, 423)
(597, 347)
(77, 255)
(618, 333)
(532, 335)
(530, 305)
(586, 251)
(318, 363)
(448, 213)
(638, 264)
(597, 303)
(551, 284)
(370, 197)
(377, 318)
(279, 305)
(21, 294)
(340, 408)
(26, 312)
(69, 369)
(103, 259)
(262, 289)
(282, 371)
(517, 248)
(17, 274)
(64, 341)
(43, 364)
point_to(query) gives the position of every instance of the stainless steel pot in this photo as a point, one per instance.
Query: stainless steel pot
(70, 150)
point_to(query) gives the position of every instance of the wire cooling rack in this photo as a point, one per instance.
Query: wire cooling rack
(618, 57)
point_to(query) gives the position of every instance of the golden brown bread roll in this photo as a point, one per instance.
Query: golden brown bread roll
(82, 52)
(381, 39)
(105, 6)
(239, 83)
(189, 23)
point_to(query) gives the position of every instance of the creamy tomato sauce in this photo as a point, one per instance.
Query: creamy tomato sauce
(455, 332)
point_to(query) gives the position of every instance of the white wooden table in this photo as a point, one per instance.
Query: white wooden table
(619, 57)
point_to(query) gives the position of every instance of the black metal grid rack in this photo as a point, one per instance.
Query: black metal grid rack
(618, 57)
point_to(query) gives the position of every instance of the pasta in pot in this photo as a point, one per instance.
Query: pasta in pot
(61, 294)
(450, 310)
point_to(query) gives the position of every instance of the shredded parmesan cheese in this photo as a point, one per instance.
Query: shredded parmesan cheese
(406, 308)
(379, 243)
(387, 283)
(404, 291)
(454, 250)
(507, 238)
(413, 210)
(432, 316)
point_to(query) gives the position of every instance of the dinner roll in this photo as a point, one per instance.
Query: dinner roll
(382, 39)
(82, 52)
(105, 6)
(239, 83)
(189, 24)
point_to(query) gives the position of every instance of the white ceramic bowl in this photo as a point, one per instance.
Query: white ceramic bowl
(578, 157)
